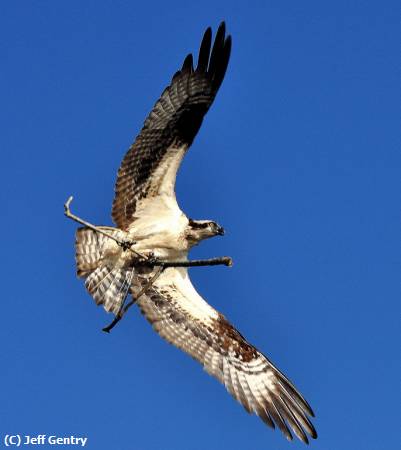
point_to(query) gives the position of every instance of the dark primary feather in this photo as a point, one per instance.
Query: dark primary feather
(173, 123)
(247, 374)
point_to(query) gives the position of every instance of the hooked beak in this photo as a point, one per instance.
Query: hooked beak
(220, 231)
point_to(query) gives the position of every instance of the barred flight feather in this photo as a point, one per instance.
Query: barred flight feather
(89, 248)
(224, 353)
(170, 127)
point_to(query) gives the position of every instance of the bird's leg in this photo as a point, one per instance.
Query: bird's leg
(126, 245)
(151, 260)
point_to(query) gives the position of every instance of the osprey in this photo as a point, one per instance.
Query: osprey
(150, 223)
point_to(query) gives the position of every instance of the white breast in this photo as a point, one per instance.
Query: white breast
(160, 227)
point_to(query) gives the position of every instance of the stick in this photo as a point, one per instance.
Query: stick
(221, 260)
(147, 261)
(142, 261)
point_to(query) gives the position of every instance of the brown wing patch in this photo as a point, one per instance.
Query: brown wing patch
(225, 354)
(232, 340)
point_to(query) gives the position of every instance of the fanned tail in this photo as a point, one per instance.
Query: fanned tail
(89, 249)
(108, 285)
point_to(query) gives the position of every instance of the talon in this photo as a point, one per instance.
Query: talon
(151, 258)
(126, 245)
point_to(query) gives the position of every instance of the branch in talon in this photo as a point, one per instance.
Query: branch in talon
(147, 261)
(126, 245)
(152, 260)
(143, 260)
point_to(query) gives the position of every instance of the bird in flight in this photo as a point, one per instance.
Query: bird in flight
(150, 225)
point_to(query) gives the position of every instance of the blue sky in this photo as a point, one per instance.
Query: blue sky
(298, 159)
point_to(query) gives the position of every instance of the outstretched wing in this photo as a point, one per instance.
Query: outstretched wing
(184, 319)
(149, 168)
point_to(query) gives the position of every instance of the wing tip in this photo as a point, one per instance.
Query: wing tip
(313, 433)
(187, 65)
(212, 60)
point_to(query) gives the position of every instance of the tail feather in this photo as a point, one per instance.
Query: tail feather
(88, 250)
(107, 284)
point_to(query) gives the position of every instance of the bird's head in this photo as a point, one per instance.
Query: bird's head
(197, 230)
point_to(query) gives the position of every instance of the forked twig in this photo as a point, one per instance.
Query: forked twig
(142, 261)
